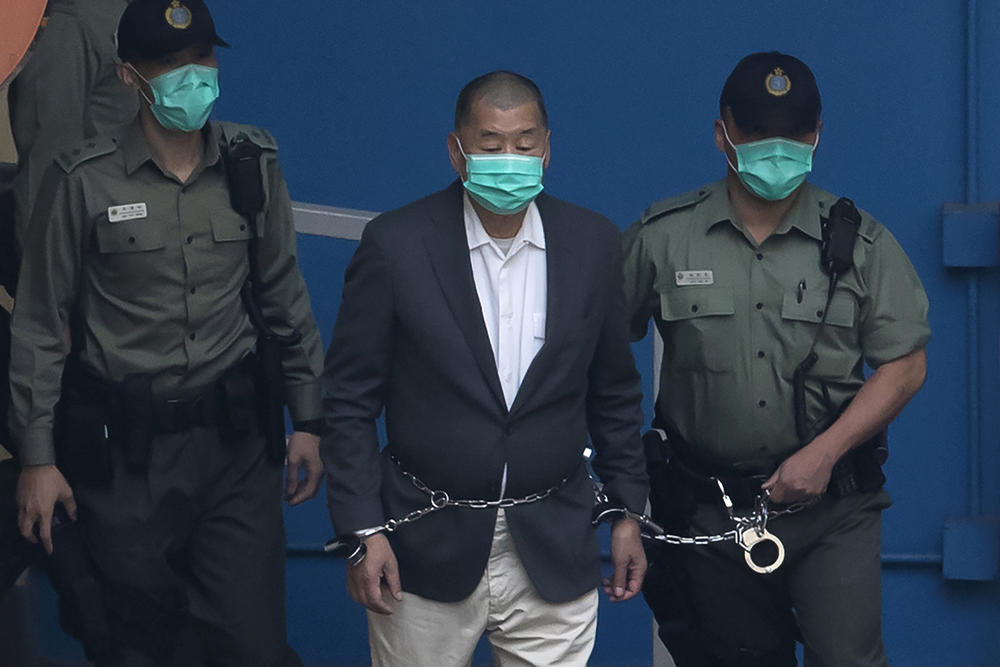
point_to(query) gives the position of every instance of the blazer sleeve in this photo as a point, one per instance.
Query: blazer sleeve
(614, 399)
(355, 380)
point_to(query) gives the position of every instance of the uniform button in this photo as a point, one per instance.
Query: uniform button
(759, 305)
(760, 255)
(190, 240)
(760, 353)
(191, 336)
(193, 289)
(131, 240)
(762, 403)
(694, 308)
(819, 314)
(242, 227)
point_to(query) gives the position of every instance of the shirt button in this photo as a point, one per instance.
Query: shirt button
(762, 403)
(131, 240)
(760, 255)
(190, 239)
(759, 305)
(193, 289)
(694, 308)
(191, 336)
(819, 314)
(760, 353)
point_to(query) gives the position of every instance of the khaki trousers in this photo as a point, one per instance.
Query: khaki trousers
(522, 628)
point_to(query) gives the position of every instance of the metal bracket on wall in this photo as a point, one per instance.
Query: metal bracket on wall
(971, 242)
(330, 221)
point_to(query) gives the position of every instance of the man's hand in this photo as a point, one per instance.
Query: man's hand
(39, 488)
(376, 575)
(802, 476)
(303, 453)
(629, 561)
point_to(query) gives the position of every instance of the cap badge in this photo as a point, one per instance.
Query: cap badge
(178, 16)
(778, 83)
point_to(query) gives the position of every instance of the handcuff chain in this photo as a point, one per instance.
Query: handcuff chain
(441, 499)
(757, 520)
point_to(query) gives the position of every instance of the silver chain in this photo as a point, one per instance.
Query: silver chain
(747, 531)
(441, 499)
(757, 520)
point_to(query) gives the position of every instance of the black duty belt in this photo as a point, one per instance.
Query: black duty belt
(132, 400)
(858, 470)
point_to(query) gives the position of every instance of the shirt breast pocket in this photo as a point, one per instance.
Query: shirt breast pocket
(837, 348)
(697, 323)
(142, 235)
(228, 226)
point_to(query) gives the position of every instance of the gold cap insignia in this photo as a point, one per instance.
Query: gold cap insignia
(178, 16)
(777, 83)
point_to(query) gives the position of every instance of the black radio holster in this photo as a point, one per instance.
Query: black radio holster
(246, 192)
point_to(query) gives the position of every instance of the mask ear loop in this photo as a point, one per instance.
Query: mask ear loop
(141, 91)
(733, 146)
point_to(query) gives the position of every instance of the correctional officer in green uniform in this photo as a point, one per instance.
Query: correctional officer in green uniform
(67, 91)
(136, 246)
(732, 276)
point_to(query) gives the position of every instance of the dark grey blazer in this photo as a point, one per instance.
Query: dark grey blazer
(410, 339)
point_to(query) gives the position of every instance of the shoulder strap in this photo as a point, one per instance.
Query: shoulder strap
(671, 204)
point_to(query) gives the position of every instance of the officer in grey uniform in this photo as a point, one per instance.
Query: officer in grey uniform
(67, 91)
(136, 246)
(770, 296)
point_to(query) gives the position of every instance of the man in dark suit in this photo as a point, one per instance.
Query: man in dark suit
(488, 322)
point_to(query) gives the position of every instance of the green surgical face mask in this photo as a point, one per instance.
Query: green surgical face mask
(503, 183)
(183, 98)
(772, 168)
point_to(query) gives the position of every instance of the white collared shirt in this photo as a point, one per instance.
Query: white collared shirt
(512, 291)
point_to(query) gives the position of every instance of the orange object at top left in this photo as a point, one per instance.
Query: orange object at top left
(22, 20)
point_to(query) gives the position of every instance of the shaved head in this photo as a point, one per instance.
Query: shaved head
(501, 90)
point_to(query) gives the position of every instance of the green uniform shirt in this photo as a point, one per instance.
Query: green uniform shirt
(67, 91)
(152, 269)
(737, 318)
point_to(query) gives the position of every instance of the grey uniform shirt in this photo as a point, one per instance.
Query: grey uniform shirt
(737, 318)
(67, 91)
(151, 269)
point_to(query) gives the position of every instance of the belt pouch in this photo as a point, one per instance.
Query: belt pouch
(80, 432)
(237, 403)
(137, 391)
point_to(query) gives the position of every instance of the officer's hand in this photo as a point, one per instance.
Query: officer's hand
(629, 561)
(802, 476)
(39, 488)
(376, 575)
(303, 454)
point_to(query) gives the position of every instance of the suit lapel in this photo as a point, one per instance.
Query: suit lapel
(448, 247)
(559, 268)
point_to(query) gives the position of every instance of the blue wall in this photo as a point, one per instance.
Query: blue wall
(360, 95)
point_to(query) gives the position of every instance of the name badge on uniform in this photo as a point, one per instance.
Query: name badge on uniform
(126, 212)
(705, 277)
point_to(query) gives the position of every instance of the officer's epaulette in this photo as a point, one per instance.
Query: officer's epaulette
(869, 228)
(672, 204)
(229, 131)
(86, 150)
